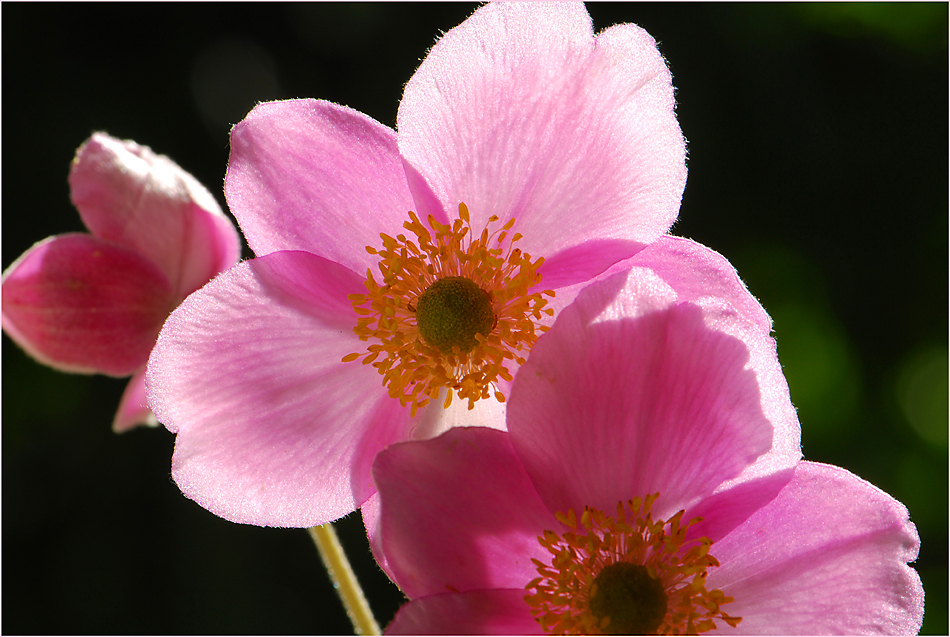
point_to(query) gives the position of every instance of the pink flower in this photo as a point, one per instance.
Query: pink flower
(533, 156)
(642, 479)
(94, 303)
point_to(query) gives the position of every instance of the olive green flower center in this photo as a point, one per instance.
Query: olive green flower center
(634, 602)
(451, 312)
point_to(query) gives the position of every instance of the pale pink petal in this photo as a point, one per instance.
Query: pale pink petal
(434, 419)
(459, 513)
(133, 407)
(315, 176)
(273, 429)
(80, 304)
(127, 194)
(608, 407)
(500, 611)
(827, 556)
(786, 450)
(687, 271)
(522, 112)
(692, 270)
(696, 273)
(702, 276)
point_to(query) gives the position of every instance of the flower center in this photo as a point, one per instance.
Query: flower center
(453, 311)
(625, 575)
(632, 602)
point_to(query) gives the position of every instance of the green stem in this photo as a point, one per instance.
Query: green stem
(344, 580)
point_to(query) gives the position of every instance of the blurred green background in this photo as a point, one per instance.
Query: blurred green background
(817, 165)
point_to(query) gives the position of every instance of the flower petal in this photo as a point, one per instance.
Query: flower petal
(273, 429)
(521, 112)
(691, 269)
(81, 304)
(431, 421)
(696, 273)
(434, 420)
(577, 265)
(827, 556)
(458, 513)
(127, 194)
(499, 611)
(726, 509)
(618, 401)
(133, 407)
(704, 277)
(315, 176)
(699, 275)
(370, 514)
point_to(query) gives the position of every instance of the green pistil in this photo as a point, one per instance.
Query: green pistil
(634, 601)
(451, 312)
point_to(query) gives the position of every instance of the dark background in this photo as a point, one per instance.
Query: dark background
(817, 165)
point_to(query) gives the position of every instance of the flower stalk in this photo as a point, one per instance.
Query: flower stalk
(344, 579)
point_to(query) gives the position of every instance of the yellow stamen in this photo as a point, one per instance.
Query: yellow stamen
(561, 596)
(415, 371)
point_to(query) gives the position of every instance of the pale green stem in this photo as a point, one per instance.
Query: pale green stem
(344, 580)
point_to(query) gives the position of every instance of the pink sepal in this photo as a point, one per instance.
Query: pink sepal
(133, 407)
(81, 304)
(127, 194)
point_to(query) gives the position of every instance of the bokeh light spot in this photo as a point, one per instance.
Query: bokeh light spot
(922, 391)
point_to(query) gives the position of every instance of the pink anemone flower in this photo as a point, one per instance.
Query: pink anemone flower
(640, 488)
(94, 303)
(401, 278)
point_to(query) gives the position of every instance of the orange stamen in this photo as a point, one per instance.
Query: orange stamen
(414, 371)
(561, 595)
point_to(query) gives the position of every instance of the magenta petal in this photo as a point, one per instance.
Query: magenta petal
(582, 262)
(608, 407)
(459, 513)
(723, 511)
(500, 611)
(827, 556)
(133, 407)
(81, 304)
(273, 429)
(316, 176)
(127, 194)
(522, 112)
(426, 203)
(370, 513)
